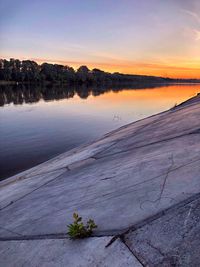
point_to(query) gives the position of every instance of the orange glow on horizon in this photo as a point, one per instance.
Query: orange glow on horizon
(184, 70)
(163, 70)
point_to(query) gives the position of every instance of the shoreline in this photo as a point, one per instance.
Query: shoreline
(140, 179)
(80, 147)
(120, 83)
(2, 180)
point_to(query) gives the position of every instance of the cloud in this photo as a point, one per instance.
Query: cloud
(197, 35)
(192, 14)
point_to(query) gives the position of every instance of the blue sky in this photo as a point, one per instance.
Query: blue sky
(146, 36)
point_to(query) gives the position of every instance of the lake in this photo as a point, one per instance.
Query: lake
(38, 123)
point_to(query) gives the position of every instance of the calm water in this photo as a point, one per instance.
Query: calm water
(37, 124)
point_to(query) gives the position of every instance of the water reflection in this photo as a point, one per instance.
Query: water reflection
(20, 94)
(31, 134)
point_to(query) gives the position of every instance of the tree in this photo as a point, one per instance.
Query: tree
(82, 74)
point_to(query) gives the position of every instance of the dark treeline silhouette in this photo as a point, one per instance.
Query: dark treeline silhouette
(29, 71)
(28, 93)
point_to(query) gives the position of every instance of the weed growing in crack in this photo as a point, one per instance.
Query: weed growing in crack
(77, 229)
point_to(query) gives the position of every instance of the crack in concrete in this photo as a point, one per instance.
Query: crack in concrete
(139, 258)
(12, 202)
(154, 201)
(67, 168)
(154, 247)
(165, 180)
(121, 232)
(119, 140)
(166, 176)
(21, 178)
(55, 236)
(146, 145)
(137, 255)
(112, 240)
(90, 200)
(162, 187)
(86, 203)
(162, 213)
(185, 231)
(187, 217)
(197, 131)
(10, 231)
(130, 187)
(35, 237)
(64, 236)
(188, 231)
(107, 178)
(26, 176)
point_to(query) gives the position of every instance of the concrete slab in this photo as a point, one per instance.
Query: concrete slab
(171, 240)
(89, 252)
(24, 186)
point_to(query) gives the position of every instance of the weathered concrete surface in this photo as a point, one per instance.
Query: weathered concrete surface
(171, 240)
(121, 180)
(63, 252)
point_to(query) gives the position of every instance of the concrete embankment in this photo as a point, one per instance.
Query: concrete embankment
(141, 185)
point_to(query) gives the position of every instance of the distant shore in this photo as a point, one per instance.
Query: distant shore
(29, 71)
(3, 82)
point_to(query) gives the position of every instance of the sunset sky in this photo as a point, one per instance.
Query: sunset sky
(153, 37)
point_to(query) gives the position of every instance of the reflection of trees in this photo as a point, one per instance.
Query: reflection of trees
(19, 94)
(55, 93)
(83, 91)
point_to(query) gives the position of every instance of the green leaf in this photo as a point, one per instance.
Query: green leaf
(78, 230)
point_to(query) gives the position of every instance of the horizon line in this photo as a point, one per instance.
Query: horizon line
(77, 64)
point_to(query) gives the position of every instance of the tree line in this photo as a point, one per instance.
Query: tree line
(29, 71)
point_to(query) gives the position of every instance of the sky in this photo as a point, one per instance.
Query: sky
(149, 37)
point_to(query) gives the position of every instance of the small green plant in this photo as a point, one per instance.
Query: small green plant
(78, 230)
